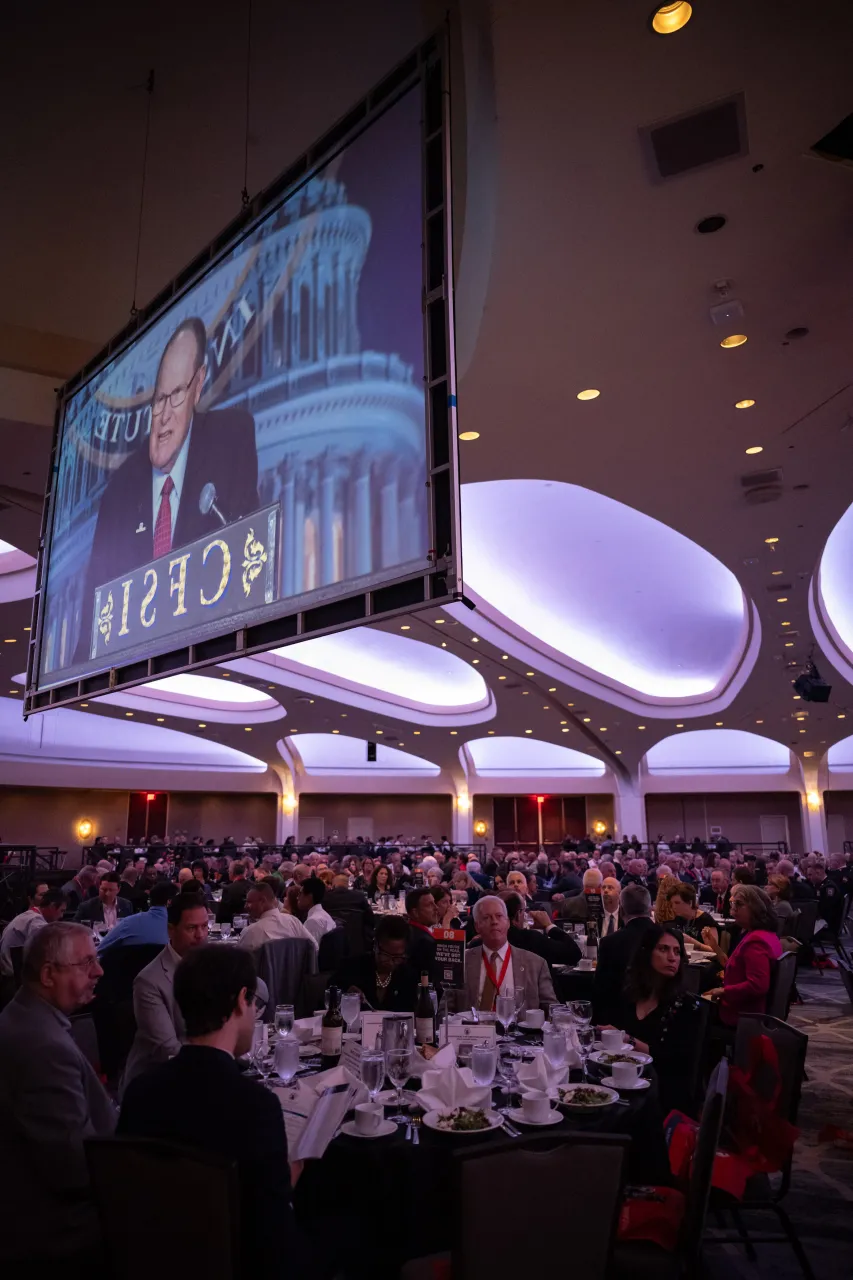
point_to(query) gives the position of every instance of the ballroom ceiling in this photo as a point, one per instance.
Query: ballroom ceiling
(627, 559)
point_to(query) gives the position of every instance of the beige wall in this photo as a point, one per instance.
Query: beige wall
(738, 815)
(411, 815)
(220, 815)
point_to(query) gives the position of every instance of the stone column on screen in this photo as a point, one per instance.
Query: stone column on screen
(288, 528)
(327, 519)
(390, 509)
(363, 510)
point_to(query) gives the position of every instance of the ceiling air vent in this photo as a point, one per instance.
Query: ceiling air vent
(706, 136)
(762, 486)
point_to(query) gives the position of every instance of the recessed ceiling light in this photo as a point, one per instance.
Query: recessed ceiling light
(416, 732)
(491, 733)
(641, 726)
(553, 690)
(530, 673)
(669, 18)
(744, 404)
(528, 730)
(755, 448)
(130, 713)
(475, 661)
(796, 697)
(311, 700)
(453, 733)
(789, 644)
(802, 731)
(570, 704)
(16, 691)
(842, 717)
(546, 708)
(26, 628)
(733, 340)
(718, 724)
(336, 731)
(226, 675)
(11, 640)
(603, 729)
(405, 627)
(439, 622)
(160, 719)
(502, 677)
(564, 731)
(617, 753)
(201, 726)
(469, 435)
(504, 657)
(679, 726)
(590, 394)
(379, 732)
(808, 753)
(246, 728)
(343, 715)
(586, 719)
(786, 624)
(775, 573)
(475, 639)
(270, 686)
(781, 599)
(759, 722)
(770, 541)
(525, 693)
(294, 730)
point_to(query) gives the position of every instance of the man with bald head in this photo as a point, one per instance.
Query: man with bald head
(578, 907)
(151, 504)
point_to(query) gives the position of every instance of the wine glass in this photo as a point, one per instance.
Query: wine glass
(372, 1071)
(283, 1020)
(225, 930)
(398, 1063)
(286, 1059)
(484, 1061)
(586, 1043)
(350, 1009)
(509, 1060)
(505, 1009)
(581, 1012)
(520, 1003)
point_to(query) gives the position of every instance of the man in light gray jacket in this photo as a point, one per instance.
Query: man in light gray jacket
(159, 1025)
(50, 1102)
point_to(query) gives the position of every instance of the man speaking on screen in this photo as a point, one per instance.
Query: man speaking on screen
(198, 471)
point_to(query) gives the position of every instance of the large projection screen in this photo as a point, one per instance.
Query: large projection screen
(269, 451)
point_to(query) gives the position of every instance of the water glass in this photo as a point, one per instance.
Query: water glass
(556, 1047)
(225, 930)
(398, 1063)
(286, 1059)
(586, 1044)
(505, 1009)
(350, 1009)
(372, 1071)
(520, 1002)
(581, 1012)
(484, 1061)
(283, 1020)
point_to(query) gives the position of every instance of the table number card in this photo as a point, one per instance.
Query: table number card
(463, 1032)
(371, 1024)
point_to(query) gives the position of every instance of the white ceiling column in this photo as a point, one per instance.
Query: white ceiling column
(814, 808)
(629, 809)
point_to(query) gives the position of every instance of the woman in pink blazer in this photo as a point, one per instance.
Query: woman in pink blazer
(746, 979)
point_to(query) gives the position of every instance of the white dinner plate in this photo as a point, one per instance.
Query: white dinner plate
(636, 1087)
(386, 1128)
(608, 1097)
(431, 1120)
(525, 1026)
(516, 1114)
(601, 1055)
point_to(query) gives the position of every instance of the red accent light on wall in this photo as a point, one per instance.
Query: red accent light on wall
(152, 795)
(540, 799)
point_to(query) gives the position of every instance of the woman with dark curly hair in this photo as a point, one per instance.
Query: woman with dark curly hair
(662, 1018)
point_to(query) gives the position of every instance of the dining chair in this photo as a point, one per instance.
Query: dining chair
(782, 976)
(762, 1195)
(124, 1172)
(284, 964)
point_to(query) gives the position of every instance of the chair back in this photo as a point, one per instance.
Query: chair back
(845, 968)
(806, 920)
(582, 1172)
(356, 927)
(124, 1172)
(333, 949)
(283, 965)
(16, 955)
(702, 1168)
(782, 978)
(790, 1045)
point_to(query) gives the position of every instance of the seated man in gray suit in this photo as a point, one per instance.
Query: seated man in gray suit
(159, 1025)
(496, 967)
(50, 1101)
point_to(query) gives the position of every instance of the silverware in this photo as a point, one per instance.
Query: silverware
(408, 1131)
(416, 1127)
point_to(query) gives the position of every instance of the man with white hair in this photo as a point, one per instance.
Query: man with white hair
(475, 871)
(50, 1101)
(494, 967)
(578, 908)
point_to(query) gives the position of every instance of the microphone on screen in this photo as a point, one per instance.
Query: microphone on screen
(207, 502)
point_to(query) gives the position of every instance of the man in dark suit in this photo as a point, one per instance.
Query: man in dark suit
(151, 503)
(215, 989)
(351, 908)
(108, 908)
(422, 913)
(233, 900)
(545, 939)
(616, 952)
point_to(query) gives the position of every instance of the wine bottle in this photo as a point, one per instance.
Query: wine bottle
(331, 1031)
(424, 1013)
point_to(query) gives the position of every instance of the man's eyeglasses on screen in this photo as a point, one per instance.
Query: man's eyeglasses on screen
(176, 398)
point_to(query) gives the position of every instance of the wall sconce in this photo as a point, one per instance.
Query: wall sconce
(463, 802)
(813, 798)
(85, 827)
(480, 827)
(288, 804)
(599, 828)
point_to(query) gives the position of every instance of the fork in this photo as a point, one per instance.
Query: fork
(415, 1123)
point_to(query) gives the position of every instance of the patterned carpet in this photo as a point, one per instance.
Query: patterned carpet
(820, 1203)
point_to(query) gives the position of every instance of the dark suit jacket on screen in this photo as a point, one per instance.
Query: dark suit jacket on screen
(222, 450)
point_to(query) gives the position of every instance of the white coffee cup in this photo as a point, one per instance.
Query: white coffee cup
(535, 1018)
(585, 963)
(625, 1074)
(368, 1117)
(536, 1105)
(612, 1040)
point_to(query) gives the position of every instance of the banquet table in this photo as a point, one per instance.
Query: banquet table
(398, 1196)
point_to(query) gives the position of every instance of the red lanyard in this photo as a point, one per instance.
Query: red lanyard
(497, 983)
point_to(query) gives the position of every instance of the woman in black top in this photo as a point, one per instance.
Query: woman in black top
(663, 1020)
(697, 924)
(382, 882)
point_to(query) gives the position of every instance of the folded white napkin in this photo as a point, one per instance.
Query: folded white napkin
(308, 1028)
(445, 1057)
(449, 1087)
(539, 1074)
(335, 1075)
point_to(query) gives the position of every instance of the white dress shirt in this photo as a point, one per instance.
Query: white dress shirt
(158, 479)
(318, 922)
(273, 924)
(110, 915)
(508, 986)
(606, 927)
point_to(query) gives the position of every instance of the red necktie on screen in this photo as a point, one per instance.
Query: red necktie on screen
(163, 524)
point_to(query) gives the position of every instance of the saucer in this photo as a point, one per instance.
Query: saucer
(526, 1026)
(636, 1087)
(517, 1116)
(386, 1128)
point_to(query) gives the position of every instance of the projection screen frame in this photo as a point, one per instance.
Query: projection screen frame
(427, 67)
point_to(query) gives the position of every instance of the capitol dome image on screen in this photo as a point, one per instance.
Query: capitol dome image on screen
(314, 327)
